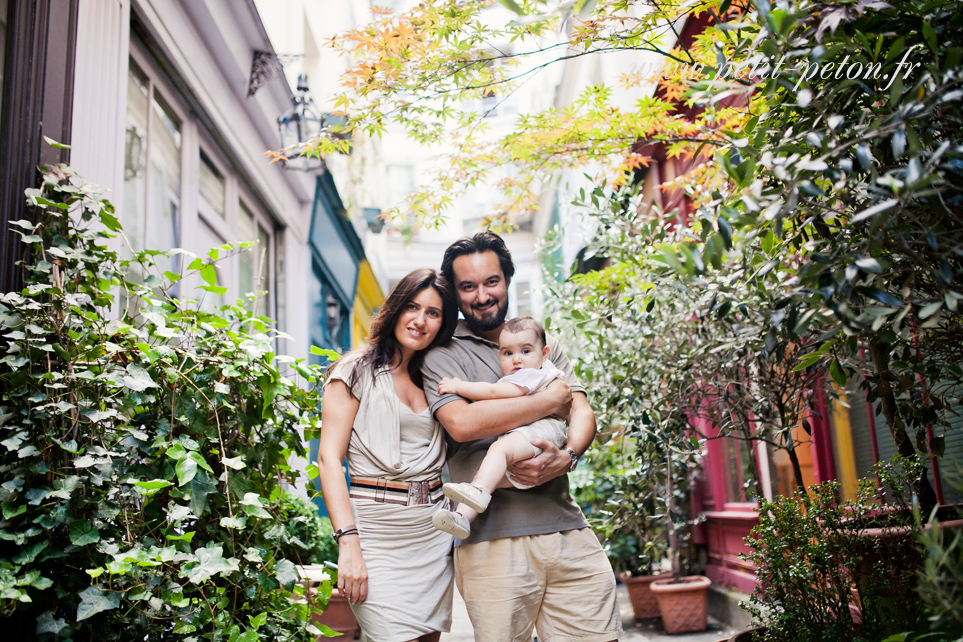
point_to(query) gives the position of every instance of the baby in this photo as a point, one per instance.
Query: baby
(523, 354)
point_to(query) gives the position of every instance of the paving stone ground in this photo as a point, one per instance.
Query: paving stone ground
(648, 631)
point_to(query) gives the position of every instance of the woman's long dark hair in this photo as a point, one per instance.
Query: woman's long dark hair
(382, 346)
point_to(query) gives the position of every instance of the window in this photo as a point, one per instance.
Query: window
(152, 168)
(211, 186)
(177, 178)
(738, 470)
(254, 273)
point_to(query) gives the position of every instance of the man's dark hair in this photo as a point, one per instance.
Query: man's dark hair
(520, 324)
(481, 242)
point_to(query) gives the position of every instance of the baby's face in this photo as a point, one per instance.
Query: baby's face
(517, 350)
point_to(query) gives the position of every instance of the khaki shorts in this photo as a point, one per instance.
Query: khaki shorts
(560, 584)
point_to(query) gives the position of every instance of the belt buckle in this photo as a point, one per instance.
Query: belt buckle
(381, 490)
(418, 493)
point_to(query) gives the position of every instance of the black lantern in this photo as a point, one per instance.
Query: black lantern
(299, 126)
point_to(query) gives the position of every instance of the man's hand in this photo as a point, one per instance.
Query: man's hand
(549, 464)
(561, 394)
(449, 386)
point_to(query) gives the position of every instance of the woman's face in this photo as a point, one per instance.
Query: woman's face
(419, 322)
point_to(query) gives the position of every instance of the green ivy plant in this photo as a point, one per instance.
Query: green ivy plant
(145, 443)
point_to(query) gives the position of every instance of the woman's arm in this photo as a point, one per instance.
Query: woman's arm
(338, 411)
(479, 390)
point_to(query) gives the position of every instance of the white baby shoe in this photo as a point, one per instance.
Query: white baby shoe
(454, 523)
(469, 495)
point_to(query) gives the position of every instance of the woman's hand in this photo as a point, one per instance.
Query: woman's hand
(352, 572)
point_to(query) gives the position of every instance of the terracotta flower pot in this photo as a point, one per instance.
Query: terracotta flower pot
(682, 603)
(748, 634)
(644, 604)
(338, 617)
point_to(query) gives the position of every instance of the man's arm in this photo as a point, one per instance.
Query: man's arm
(470, 421)
(553, 462)
(479, 390)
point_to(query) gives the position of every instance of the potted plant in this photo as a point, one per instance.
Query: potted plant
(682, 599)
(306, 540)
(616, 497)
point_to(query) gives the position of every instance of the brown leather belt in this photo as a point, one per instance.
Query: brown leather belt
(384, 491)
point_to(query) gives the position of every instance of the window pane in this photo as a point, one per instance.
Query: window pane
(246, 259)
(164, 193)
(263, 273)
(135, 157)
(253, 265)
(212, 185)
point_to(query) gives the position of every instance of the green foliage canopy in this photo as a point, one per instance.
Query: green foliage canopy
(145, 443)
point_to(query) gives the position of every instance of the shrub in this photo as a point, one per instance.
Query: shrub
(817, 568)
(145, 444)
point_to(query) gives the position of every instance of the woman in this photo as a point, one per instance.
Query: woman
(393, 565)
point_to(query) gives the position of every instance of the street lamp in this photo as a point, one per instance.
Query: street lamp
(298, 126)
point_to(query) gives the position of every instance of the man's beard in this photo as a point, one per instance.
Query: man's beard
(486, 323)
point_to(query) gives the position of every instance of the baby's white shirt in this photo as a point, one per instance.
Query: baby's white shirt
(534, 379)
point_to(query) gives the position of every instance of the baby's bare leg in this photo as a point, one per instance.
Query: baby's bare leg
(504, 452)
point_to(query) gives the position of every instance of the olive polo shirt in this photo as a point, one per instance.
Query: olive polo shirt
(513, 512)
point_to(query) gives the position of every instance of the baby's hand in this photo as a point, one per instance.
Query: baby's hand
(448, 386)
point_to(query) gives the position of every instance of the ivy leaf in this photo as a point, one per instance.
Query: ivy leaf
(138, 378)
(27, 555)
(47, 624)
(94, 600)
(153, 485)
(186, 470)
(186, 537)
(286, 573)
(85, 461)
(200, 461)
(233, 522)
(82, 532)
(237, 463)
(330, 355)
(210, 562)
(201, 487)
(209, 274)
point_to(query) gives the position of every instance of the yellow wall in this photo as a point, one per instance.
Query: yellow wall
(368, 297)
(845, 458)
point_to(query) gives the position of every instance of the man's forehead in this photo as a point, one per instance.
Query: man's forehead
(478, 266)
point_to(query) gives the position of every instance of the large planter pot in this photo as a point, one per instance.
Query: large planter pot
(644, 604)
(748, 634)
(338, 617)
(682, 603)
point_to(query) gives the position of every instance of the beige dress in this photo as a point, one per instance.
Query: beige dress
(410, 578)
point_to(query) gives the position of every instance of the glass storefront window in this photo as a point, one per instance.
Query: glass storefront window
(152, 169)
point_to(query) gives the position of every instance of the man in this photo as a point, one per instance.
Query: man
(531, 560)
